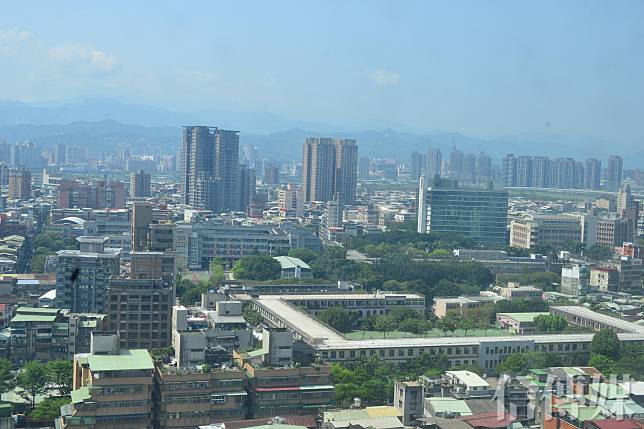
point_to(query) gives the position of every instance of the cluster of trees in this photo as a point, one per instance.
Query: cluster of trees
(402, 271)
(372, 379)
(606, 354)
(409, 320)
(36, 378)
(550, 323)
(609, 356)
(545, 280)
(190, 292)
(46, 244)
(257, 267)
(518, 363)
(253, 317)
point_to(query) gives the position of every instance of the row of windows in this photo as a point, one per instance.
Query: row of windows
(401, 352)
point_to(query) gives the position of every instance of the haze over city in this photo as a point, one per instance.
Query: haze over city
(565, 71)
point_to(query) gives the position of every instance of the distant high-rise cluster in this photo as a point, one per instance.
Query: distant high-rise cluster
(468, 167)
(330, 169)
(562, 173)
(210, 170)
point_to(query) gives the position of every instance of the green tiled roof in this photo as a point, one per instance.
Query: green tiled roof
(128, 360)
(33, 318)
(41, 310)
(80, 395)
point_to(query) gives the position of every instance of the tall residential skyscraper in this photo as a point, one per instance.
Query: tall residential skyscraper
(140, 184)
(209, 168)
(483, 167)
(468, 173)
(614, 173)
(541, 172)
(346, 169)
(525, 171)
(416, 165)
(364, 166)
(319, 169)
(592, 174)
(509, 170)
(456, 163)
(434, 161)
(227, 169)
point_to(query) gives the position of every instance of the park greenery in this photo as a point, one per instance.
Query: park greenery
(46, 244)
(257, 267)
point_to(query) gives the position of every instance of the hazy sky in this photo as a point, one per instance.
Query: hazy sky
(485, 68)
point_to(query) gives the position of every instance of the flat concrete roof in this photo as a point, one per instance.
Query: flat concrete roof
(325, 338)
(585, 313)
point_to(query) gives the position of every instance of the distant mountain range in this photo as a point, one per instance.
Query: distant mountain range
(103, 123)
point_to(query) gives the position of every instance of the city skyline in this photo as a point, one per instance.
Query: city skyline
(572, 80)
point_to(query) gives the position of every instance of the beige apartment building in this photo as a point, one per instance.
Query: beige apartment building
(112, 388)
(198, 396)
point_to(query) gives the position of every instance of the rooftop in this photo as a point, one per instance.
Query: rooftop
(469, 378)
(289, 262)
(135, 359)
(523, 317)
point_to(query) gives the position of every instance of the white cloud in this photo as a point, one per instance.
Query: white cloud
(26, 48)
(80, 55)
(382, 77)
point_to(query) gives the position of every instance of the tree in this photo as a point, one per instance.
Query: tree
(598, 252)
(384, 323)
(449, 323)
(513, 364)
(252, 317)
(630, 361)
(604, 364)
(217, 274)
(48, 409)
(257, 267)
(550, 323)
(467, 324)
(32, 381)
(306, 255)
(605, 342)
(61, 373)
(6, 376)
(337, 318)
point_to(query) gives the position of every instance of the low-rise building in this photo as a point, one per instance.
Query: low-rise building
(293, 268)
(45, 334)
(516, 291)
(604, 279)
(518, 323)
(460, 305)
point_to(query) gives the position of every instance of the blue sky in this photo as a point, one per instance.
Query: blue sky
(484, 68)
